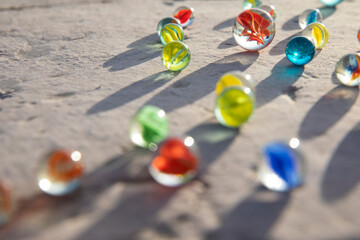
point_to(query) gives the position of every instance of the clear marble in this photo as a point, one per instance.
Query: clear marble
(254, 29)
(347, 70)
(309, 16)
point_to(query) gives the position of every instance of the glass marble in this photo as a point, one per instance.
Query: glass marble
(148, 127)
(330, 3)
(282, 168)
(358, 35)
(247, 4)
(270, 9)
(165, 21)
(185, 15)
(234, 106)
(6, 203)
(254, 29)
(175, 56)
(317, 33)
(347, 70)
(176, 162)
(171, 32)
(234, 78)
(61, 172)
(311, 15)
(300, 50)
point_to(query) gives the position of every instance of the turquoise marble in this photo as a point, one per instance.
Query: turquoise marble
(300, 50)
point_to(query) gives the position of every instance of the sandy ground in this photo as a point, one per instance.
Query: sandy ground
(73, 72)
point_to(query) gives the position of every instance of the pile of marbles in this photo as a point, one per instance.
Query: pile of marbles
(176, 54)
(176, 159)
(300, 50)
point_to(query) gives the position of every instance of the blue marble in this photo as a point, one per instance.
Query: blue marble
(282, 168)
(282, 160)
(300, 50)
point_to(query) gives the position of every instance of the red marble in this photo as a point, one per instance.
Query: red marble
(183, 15)
(175, 158)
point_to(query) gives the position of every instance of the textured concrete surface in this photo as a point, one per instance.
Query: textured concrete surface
(73, 72)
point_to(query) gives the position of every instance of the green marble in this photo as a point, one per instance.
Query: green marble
(148, 127)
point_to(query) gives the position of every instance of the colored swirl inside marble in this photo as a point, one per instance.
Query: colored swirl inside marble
(348, 70)
(309, 16)
(282, 169)
(317, 33)
(255, 26)
(175, 158)
(63, 168)
(254, 29)
(176, 56)
(183, 15)
(171, 32)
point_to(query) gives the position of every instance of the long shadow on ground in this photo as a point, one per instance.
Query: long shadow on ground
(140, 51)
(41, 211)
(327, 111)
(279, 48)
(132, 92)
(201, 82)
(176, 95)
(224, 24)
(283, 76)
(253, 218)
(138, 208)
(228, 43)
(141, 198)
(342, 174)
